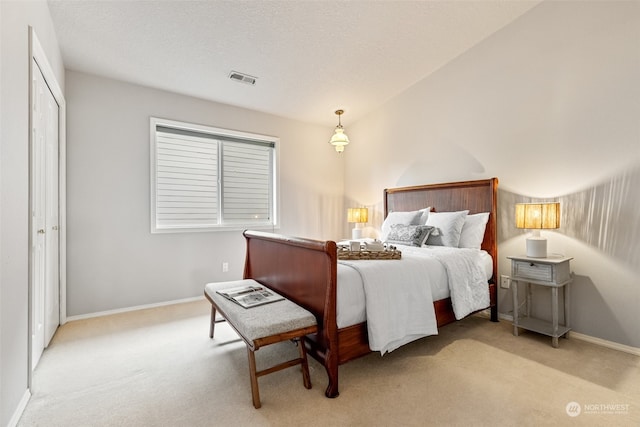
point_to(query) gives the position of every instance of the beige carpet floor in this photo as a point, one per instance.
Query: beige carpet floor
(158, 367)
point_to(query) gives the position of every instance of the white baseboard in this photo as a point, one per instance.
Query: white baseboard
(20, 409)
(593, 340)
(609, 344)
(135, 308)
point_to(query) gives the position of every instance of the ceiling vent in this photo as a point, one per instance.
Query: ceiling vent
(243, 78)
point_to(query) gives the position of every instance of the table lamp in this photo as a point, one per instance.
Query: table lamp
(535, 217)
(358, 216)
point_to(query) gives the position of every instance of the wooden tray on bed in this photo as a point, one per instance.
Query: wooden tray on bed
(346, 254)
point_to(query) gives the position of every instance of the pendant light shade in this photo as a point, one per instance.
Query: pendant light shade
(339, 138)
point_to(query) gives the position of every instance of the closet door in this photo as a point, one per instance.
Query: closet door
(44, 216)
(52, 238)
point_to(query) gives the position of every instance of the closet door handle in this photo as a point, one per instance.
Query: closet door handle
(41, 231)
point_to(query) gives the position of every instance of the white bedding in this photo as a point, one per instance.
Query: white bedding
(351, 299)
(399, 305)
(467, 281)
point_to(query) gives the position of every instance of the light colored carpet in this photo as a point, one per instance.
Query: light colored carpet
(158, 367)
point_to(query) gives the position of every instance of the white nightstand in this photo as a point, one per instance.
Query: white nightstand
(553, 272)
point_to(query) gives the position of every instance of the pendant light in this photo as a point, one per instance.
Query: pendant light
(339, 138)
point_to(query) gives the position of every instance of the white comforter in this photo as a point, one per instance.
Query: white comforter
(467, 279)
(399, 304)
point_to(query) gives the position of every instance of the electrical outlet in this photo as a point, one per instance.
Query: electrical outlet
(225, 267)
(505, 282)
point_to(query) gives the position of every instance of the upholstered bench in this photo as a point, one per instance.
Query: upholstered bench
(263, 325)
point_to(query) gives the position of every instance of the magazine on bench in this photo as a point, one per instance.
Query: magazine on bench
(250, 296)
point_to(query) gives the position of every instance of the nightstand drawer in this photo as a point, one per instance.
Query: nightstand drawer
(533, 270)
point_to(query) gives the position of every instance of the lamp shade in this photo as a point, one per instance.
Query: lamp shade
(357, 215)
(339, 139)
(538, 215)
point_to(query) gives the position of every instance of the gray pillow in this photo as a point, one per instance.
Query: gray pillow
(409, 235)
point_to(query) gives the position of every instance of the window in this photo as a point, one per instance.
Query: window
(204, 178)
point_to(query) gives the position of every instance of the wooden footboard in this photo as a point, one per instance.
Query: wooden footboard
(304, 271)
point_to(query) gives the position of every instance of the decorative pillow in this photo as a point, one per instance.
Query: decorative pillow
(403, 218)
(424, 214)
(473, 230)
(410, 235)
(449, 226)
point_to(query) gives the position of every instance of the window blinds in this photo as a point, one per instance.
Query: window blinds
(186, 179)
(246, 182)
(206, 180)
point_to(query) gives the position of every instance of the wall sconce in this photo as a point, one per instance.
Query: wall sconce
(358, 216)
(537, 216)
(339, 138)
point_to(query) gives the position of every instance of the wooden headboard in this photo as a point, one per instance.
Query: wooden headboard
(476, 196)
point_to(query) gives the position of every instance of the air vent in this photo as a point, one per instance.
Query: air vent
(243, 78)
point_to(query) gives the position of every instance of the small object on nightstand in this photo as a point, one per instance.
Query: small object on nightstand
(553, 272)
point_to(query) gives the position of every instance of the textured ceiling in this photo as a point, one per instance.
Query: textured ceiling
(310, 57)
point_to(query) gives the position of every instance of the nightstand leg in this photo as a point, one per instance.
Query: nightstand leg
(567, 307)
(514, 293)
(554, 316)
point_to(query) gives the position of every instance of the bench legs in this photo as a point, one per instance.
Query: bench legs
(253, 376)
(213, 320)
(306, 379)
(254, 373)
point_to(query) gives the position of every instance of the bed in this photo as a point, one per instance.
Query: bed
(306, 270)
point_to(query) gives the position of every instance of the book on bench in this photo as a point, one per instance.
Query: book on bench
(250, 296)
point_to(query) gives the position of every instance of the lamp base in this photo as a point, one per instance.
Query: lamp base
(356, 233)
(536, 247)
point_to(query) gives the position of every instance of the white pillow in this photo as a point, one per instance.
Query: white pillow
(449, 226)
(424, 214)
(403, 218)
(473, 230)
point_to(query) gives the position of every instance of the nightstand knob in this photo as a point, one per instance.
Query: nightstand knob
(531, 264)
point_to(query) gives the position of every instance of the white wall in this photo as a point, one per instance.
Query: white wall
(16, 17)
(550, 105)
(113, 260)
